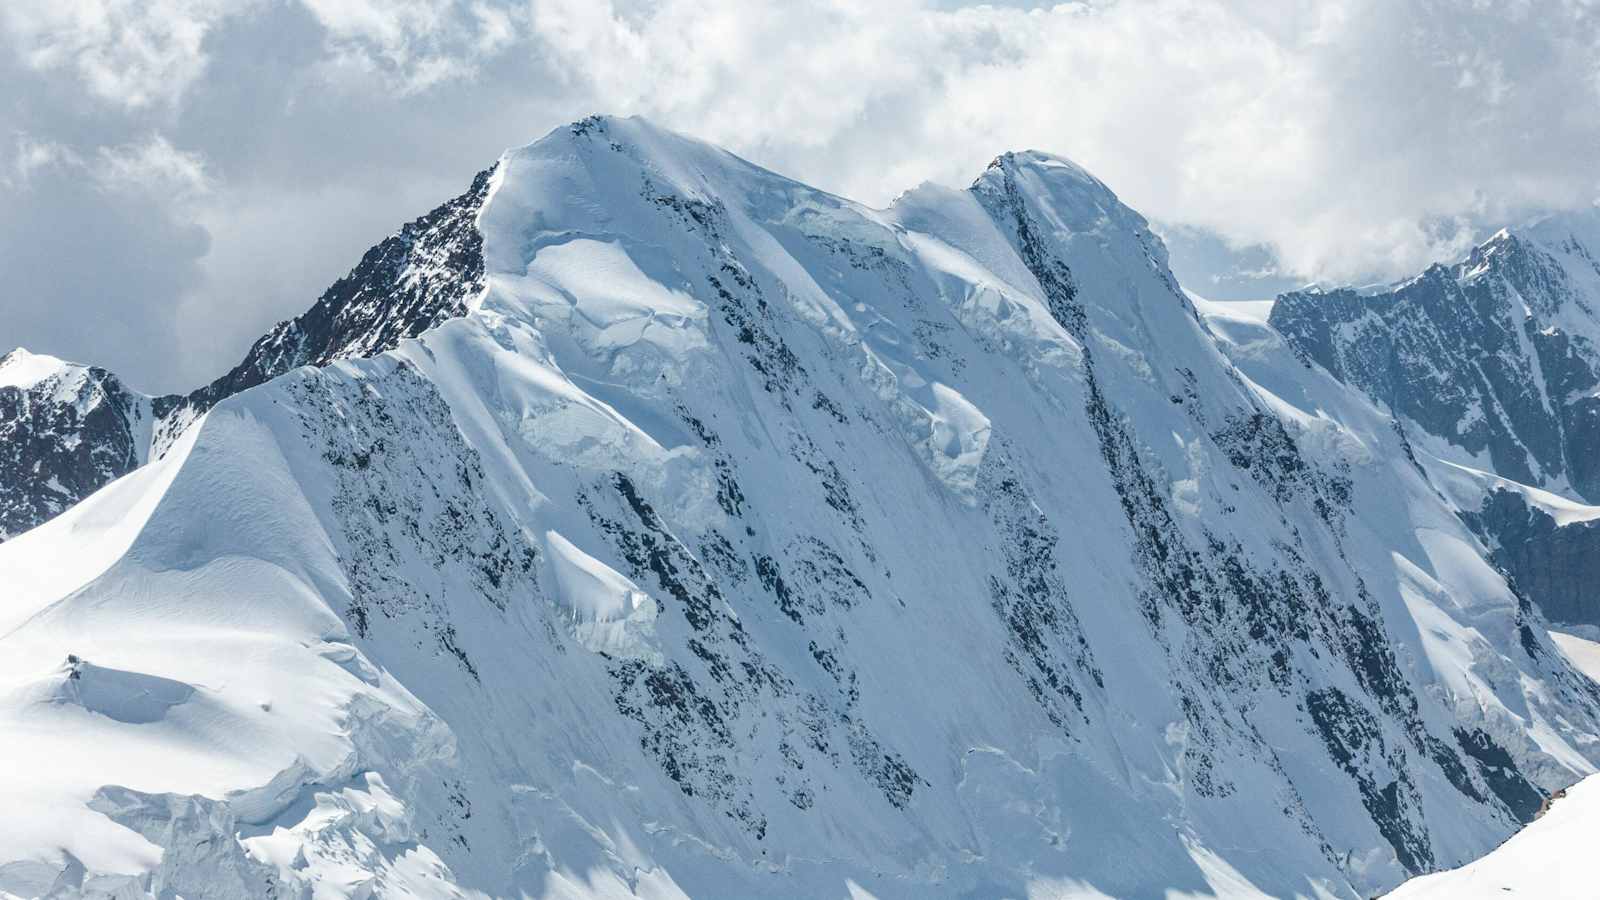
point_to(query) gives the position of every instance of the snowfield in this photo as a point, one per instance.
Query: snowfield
(681, 530)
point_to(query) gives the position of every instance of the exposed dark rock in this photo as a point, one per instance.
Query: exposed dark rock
(64, 438)
(1556, 566)
(1474, 353)
(418, 277)
(57, 447)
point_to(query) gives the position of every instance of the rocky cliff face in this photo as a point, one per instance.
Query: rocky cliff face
(65, 431)
(422, 275)
(1494, 356)
(1493, 361)
(1557, 564)
(735, 539)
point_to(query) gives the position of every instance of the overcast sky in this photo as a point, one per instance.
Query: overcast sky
(177, 175)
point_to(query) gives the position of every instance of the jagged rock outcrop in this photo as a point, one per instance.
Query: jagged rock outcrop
(418, 277)
(1494, 355)
(1554, 561)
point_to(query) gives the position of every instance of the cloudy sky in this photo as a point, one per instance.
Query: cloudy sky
(176, 175)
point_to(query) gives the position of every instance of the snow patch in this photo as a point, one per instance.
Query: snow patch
(23, 370)
(606, 612)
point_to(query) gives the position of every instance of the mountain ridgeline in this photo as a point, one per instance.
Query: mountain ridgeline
(1494, 365)
(71, 429)
(643, 522)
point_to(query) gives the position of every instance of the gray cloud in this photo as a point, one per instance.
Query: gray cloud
(95, 263)
(179, 174)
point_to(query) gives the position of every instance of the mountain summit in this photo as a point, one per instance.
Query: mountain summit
(645, 523)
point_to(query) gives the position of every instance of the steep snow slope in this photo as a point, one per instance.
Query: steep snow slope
(1583, 652)
(1549, 544)
(738, 540)
(1549, 859)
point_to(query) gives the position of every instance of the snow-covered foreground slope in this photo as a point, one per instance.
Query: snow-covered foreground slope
(1553, 858)
(739, 540)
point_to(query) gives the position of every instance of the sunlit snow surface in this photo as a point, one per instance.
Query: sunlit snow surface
(21, 369)
(1553, 858)
(744, 541)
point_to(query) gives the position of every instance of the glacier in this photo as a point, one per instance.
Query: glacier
(645, 523)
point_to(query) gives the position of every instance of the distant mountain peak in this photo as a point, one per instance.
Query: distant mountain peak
(22, 369)
(66, 430)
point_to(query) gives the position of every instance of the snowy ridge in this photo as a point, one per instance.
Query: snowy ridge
(425, 273)
(422, 275)
(730, 538)
(1493, 359)
(1548, 859)
(1469, 489)
(60, 450)
(23, 370)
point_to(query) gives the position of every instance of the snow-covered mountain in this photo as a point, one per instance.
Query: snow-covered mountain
(70, 429)
(650, 524)
(1494, 365)
(65, 431)
(1495, 356)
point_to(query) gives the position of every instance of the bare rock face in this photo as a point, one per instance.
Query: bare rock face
(1495, 362)
(418, 277)
(1556, 565)
(65, 431)
(1495, 355)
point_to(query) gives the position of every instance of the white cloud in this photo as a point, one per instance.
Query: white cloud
(413, 45)
(142, 53)
(1323, 139)
(133, 53)
(30, 156)
(1335, 132)
(152, 164)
